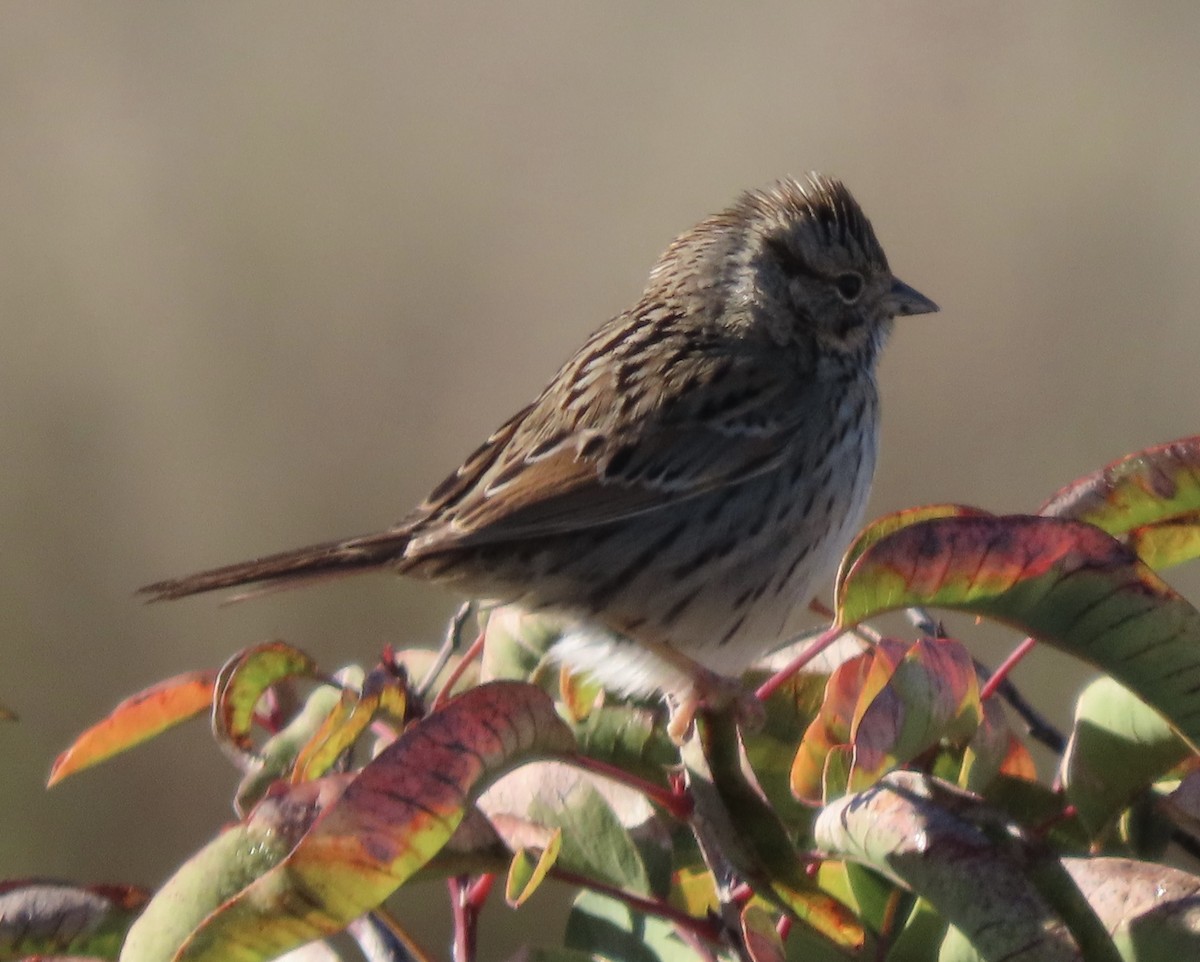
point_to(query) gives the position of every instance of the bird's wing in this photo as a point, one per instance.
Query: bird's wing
(624, 446)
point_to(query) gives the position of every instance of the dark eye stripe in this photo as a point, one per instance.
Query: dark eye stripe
(792, 263)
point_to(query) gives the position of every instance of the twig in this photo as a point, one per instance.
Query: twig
(451, 643)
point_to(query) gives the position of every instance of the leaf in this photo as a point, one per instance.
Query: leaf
(1145, 488)
(759, 935)
(393, 817)
(40, 916)
(1066, 583)
(830, 729)
(137, 719)
(244, 679)
(771, 750)
(595, 845)
(526, 872)
(628, 737)
(237, 857)
(882, 710)
(1151, 909)
(609, 929)
(993, 749)
(1167, 543)
(279, 752)
(889, 524)
(382, 692)
(736, 827)
(915, 832)
(1118, 747)
(930, 694)
(516, 642)
(1152, 498)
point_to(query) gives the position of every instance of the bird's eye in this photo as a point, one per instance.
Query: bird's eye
(849, 286)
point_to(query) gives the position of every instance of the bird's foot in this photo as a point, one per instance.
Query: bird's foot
(713, 693)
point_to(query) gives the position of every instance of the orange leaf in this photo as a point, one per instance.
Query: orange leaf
(137, 719)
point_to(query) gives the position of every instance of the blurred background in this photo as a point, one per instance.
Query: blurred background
(268, 271)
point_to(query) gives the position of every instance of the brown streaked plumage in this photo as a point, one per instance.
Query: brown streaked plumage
(686, 477)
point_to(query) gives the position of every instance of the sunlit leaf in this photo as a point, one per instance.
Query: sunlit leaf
(889, 524)
(695, 892)
(1166, 544)
(830, 728)
(930, 694)
(930, 839)
(1140, 489)
(1065, 583)
(381, 692)
(392, 818)
(137, 719)
(44, 917)
(244, 679)
(578, 692)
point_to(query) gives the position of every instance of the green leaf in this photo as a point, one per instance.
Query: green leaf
(279, 752)
(1067, 584)
(735, 821)
(237, 857)
(526, 872)
(516, 642)
(1118, 747)
(941, 843)
(595, 845)
(382, 694)
(244, 679)
(610, 929)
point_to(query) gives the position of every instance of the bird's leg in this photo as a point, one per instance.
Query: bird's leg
(706, 691)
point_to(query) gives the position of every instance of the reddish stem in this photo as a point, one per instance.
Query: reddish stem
(1006, 666)
(707, 929)
(815, 647)
(465, 917)
(479, 891)
(676, 803)
(457, 672)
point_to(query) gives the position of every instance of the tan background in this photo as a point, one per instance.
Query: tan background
(268, 271)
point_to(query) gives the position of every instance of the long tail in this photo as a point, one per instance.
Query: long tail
(291, 568)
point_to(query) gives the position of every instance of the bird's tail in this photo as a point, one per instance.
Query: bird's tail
(290, 569)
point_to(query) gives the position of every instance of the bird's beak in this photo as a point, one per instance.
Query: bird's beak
(903, 300)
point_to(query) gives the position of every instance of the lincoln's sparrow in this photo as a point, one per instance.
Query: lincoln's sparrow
(690, 473)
